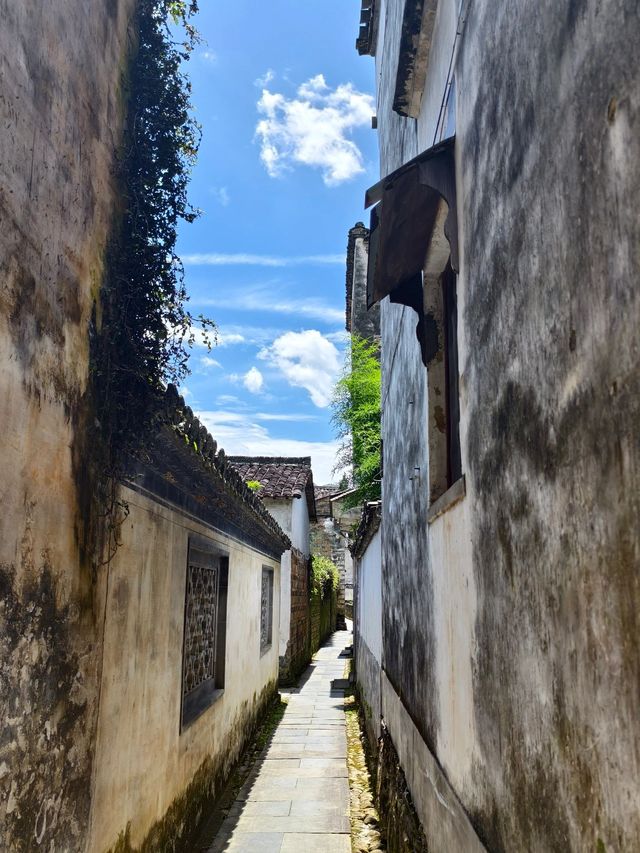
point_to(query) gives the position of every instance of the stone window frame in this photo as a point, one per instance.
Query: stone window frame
(204, 555)
(266, 631)
(413, 259)
(443, 391)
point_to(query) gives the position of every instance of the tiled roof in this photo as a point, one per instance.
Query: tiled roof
(369, 524)
(326, 491)
(279, 476)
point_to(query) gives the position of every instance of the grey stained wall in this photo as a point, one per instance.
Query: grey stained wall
(60, 112)
(511, 624)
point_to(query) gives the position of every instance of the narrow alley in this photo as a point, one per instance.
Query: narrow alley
(297, 797)
(320, 426)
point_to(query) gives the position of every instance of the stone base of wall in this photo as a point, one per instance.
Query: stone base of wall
(409, 773)
(368, 686)
(298, 652)
(399, 822)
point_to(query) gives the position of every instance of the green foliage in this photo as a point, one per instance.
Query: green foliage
(356, 414)
(143, 329)
(254, 485)
(324, 575)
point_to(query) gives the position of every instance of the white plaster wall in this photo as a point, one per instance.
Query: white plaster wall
(348, 575)
(285, 603)
(300, 525)
(143, 762)
(283, 512)
(369, 575)
(454, 615)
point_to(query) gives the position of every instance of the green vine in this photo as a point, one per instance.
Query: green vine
(324, 575)
(143, 330)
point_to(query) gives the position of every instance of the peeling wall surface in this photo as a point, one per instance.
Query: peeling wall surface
(60, 112)
(144, 762)
(511, 623)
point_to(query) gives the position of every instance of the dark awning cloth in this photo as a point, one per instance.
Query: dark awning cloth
(403, 220)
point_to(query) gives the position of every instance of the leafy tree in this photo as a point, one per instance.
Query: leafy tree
(356, 415)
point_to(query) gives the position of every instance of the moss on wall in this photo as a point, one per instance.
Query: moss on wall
(399, 821)
(178, 829)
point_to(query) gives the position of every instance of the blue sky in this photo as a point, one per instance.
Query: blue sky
(285, 105)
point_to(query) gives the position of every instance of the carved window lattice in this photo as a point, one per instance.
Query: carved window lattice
(266, 609)
(200, 621)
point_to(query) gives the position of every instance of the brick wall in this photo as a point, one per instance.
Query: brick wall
(298, 651)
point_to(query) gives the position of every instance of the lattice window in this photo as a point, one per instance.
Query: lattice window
(200, 623)
(204, 630)
(266, 610)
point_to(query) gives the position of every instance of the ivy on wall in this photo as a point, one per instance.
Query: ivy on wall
(324, 575)
(143, 327)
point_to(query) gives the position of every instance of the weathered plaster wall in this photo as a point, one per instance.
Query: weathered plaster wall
(511, 623)
(60, 111)
(368, 631)
(551, 316)
(143, 763)
(363, 321)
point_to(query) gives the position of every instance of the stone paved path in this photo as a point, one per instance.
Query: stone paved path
(297, 798)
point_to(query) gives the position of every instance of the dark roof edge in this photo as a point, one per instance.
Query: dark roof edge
(374, 193)
(281, 460)
(367, 528)
(180, 418)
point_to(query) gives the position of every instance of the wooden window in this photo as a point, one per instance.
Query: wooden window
(205, 628)
(266, 610)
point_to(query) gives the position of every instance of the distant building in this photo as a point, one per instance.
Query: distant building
(285, 486)
(330, 537)
(359, 319)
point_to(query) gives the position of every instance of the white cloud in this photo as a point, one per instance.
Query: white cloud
(294, 418)
(266, 299)
(184, 391)
(209, 56)
(229, 400)
(207, 361)
(227, 339)
(266, 78)
(339, 337)
(253, 380)
(240, 435)
(219, 259)
(221, 194)
(306, 360)
(313, 129)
